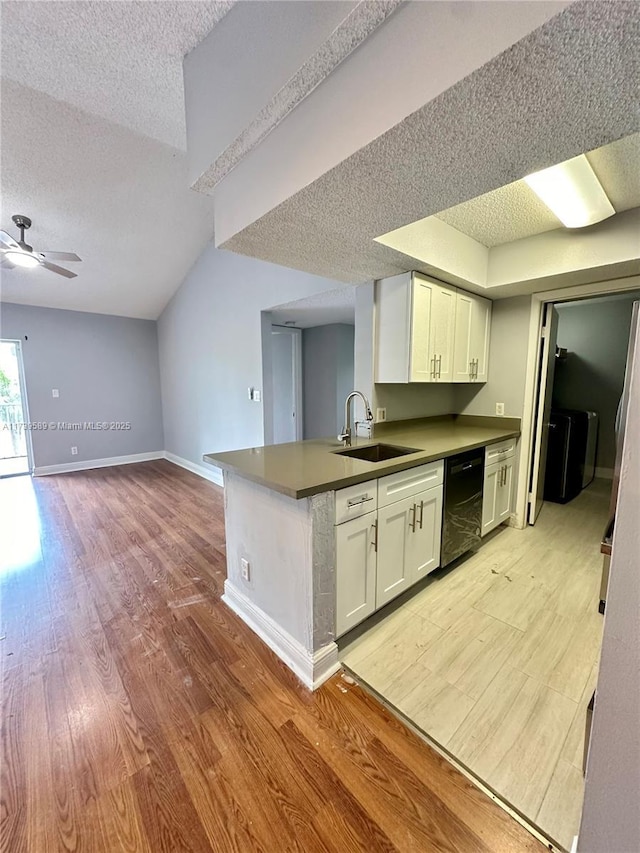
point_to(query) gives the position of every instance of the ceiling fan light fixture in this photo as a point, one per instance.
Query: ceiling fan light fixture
(572, 191)
(22, 259)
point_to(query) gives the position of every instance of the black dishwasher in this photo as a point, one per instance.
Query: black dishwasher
(462, 517)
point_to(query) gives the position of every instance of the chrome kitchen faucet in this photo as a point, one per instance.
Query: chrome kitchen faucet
(345, 435)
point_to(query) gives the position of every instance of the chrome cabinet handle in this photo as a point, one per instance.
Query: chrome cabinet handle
(375, 535)
(357, 501)
(412, 524)
(433, 367)
(471, 369)
(439, 367)
(421, 513)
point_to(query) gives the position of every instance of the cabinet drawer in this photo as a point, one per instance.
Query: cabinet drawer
(407, 483)
(500, 451)
(355, 501)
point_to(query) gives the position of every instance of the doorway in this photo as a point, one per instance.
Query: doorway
(286, 373)
(583, 353)
(15, 445)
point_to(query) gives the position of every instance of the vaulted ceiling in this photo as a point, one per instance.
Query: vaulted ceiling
(93, 149)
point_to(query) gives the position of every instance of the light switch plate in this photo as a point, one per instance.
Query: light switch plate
(55, 392)
(257, 395)
(74, 451)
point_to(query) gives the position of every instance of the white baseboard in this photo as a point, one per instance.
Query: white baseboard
(66, 467)
(604, 473)
(312, 668)
(208, 472)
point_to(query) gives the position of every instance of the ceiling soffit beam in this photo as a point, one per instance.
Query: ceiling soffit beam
(567, 88)
(358, 25)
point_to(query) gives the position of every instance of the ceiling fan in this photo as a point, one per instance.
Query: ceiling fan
(17, 253)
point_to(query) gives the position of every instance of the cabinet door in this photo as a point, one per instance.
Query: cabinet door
(355, 571)
(462, 346)
(490, 498)
(421, 357)
(423, 550)
(480, 334)
(442, 331)
(395, 523)
(504, 503)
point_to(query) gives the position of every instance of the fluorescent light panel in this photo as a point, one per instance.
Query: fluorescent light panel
(572, 192)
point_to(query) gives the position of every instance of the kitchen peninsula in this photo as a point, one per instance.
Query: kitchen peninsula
(282, 507)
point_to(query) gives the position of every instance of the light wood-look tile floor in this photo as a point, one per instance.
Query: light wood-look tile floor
(496, 659)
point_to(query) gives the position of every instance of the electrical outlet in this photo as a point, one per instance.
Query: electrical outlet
(74, 451)
(381, 415)
(499, 408)
(55, 392)
(245, 569)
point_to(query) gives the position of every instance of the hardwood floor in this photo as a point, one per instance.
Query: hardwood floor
(496, 659)
(140, 714)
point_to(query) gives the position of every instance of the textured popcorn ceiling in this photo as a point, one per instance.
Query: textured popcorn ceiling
(320, 309)
(515, 211)
(119, 199)
(567, 88)
(92, 103)
(121, 61)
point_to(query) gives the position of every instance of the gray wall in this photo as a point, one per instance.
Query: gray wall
(211, 350)
(416, 401)
(596, 333)
(105, 368)
(327, 365)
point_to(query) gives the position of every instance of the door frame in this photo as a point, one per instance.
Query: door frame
(536, 319)
(296, 352)
(23, 399)
(544, 393)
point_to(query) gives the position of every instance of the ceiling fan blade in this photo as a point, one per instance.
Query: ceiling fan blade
(57, 269)
(8, 241)
(59, 256)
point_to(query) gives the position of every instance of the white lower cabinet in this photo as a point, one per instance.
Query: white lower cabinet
(394, 570)
(497, 500)
(424, 545)
(383, 553)
(355, 571)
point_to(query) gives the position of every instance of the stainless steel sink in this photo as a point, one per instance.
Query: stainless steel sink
(376, 452)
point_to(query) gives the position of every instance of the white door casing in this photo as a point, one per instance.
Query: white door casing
(543, 411)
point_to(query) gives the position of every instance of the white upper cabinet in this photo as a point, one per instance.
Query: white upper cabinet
(417, 335)
(472, 331)
(442, 318)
